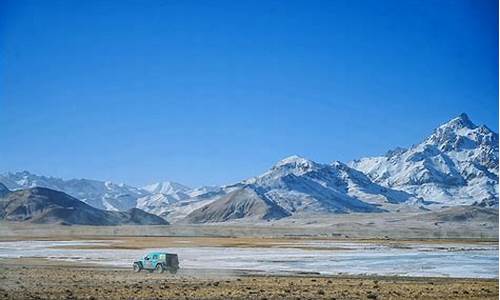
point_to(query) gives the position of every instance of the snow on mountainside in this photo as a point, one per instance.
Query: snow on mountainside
(166, 187)
(99, 194)
(203, 190)
(43, 205)
(156, 198)
(162, 195)
(296, 185)
(456, 165)
(200, 197)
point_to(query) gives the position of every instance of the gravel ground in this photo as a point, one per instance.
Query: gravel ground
(35, 279)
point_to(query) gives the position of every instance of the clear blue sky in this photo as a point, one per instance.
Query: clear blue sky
(211, 92)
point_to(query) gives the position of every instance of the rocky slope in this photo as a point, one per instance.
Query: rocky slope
(456, 165)
(42, 205)
(177, 211)
(238, 204)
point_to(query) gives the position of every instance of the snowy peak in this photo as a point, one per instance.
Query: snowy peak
(296, 164)
(292, 165)
(106, 194)
(395, 151)
(460, 133)
(161, 195)
(293, 160)
(166, 187)
(340, 166)
(99, 194)
(460, 122)
(456, 165)
(299, 185)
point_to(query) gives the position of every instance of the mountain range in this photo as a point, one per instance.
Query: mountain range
(456, 165)
(99, 194)
(43, 205)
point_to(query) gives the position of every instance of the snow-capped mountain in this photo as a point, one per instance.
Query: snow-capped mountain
(99, 194)
(155, 198)
(457, 164)
(204, 190)
(166, 187)
(43, 205)
(199, 197)
(297, 185)
(161, 195)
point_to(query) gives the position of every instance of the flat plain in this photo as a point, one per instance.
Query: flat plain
(48, 276)
(35, 279)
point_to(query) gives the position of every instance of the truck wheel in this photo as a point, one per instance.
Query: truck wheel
(172, 270)
(159, 268)
(137, 268)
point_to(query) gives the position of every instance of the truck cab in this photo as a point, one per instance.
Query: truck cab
(158, 261)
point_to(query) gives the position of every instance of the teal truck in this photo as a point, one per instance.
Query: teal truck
(159, 262)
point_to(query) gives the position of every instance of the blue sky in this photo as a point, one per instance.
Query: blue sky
(211, 92)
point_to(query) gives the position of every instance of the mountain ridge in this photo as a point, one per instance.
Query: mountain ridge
(43, 205)
(457, 164)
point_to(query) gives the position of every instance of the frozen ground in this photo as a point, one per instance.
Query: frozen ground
(326, 258)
